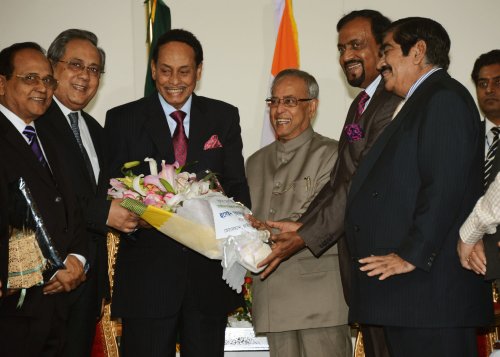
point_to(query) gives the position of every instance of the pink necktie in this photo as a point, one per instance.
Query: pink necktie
(179, 138)
(363, 98)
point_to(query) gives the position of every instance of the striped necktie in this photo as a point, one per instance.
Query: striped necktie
(30, 133)
(490, 156)
(73, 119)
(363, 98)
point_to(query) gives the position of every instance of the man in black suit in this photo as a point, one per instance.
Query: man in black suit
(408, 199)
(482, 255)
(26, 87)
(78, 64)
(164, 290)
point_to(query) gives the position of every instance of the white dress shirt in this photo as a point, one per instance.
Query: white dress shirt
(485, 217)
(87, 142)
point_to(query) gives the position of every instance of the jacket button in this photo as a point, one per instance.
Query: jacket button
(272, 211)
(356, 228)
(58, 199)
(375, 194)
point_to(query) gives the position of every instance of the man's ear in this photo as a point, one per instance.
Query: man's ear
(153, 69)
(199, 68)
(313, 106)
(419, 51)
(3, 84)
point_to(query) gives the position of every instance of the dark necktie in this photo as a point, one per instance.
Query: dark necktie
(363, 98)
(179, 139)
(30, 133)
(73, 119)
(490, 156)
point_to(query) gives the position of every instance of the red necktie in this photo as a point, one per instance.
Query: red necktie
(179, 139)
(363, 98)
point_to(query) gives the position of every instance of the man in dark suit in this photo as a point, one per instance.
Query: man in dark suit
(322, 225)
(163, 290)
(78, 64)
(408, 199)
(482, 255)
(26, 87)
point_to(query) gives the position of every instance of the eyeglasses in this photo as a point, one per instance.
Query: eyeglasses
(78, 67)
(32, 79)
(484, 83)
(288, 102)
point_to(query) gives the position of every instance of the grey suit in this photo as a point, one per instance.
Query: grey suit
(304, 292)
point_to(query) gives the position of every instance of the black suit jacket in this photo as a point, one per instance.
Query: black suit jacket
(409, 196)
(56, 202)
(153, 271)
(92, 202)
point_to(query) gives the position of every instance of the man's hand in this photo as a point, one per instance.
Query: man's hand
(121, 218)
(385, 266)
(284, 245)
(472, 256)
(66, 279)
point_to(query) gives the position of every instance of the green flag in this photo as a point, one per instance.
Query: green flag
(161, 23)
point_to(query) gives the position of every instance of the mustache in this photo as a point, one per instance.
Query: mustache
(352, 62)
(385, 68)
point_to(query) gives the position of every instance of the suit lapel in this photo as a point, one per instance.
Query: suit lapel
(65, 135)
(22, 151)
(197, 130)
(371, 158)
(157, 127)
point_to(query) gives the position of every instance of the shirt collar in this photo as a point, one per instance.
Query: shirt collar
(488, 125)
(419, 81)
(18, 123)
(66, 111)
(168, 109)
(372, 87)
(296, 142)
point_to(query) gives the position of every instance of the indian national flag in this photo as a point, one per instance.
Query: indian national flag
(286, 54)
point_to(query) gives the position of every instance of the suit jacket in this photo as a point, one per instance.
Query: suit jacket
(409, 196)
(491, 240)
(54, 197)
(304, 292)
(153, 271)
(92, 202)
(323, 222)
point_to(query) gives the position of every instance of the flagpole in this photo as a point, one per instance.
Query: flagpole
(149, 23)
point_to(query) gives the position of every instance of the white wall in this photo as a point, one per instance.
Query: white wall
(237, 36)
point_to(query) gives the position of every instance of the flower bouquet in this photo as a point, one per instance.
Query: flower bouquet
(196, 213)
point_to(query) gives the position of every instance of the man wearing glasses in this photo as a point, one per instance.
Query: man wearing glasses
(78, 63)
(301, 306)
(32, 320)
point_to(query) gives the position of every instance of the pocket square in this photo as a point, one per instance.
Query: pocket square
(212, 143)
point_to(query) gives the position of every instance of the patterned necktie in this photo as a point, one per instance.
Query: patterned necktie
(30, 133)
(363, 98)
(73, 119)
(490, 156)
(179, 138)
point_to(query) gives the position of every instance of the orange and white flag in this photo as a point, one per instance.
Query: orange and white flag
(286, 54)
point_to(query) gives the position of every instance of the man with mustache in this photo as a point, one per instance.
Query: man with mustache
(164, 291)
(408, 200)
(32, 321)
(478, 253)
(322, 225)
